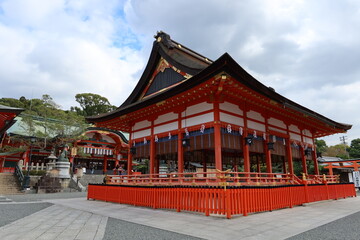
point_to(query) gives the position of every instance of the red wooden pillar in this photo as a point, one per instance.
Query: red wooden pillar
(105, 164)
(217, 137)
(289, 156)
(267, 157)
(129, 164)
(180, 153)
(303, 160)
(246, 153)
(180, 146)
(316, 165)
(152, 149)
(331, 169)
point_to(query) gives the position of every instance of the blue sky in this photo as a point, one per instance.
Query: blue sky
(306, 50)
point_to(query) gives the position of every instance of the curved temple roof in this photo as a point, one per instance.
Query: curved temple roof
(197, 69)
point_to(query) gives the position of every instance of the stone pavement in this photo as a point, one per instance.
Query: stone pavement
(56, 222)
(78, 218)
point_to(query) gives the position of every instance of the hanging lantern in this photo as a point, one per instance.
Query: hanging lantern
(270, 146)
(249, 140)
(186, 142)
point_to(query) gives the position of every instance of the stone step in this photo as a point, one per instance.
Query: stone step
(9, 184)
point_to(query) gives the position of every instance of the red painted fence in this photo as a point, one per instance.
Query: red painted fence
(228, 201)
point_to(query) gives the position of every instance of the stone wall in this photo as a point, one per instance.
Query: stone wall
(90, 178)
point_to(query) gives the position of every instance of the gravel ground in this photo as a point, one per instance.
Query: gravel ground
(38, 197)
(119, 229)
(12, 212)
(344, 228)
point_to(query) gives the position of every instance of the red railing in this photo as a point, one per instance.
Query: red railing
(313, 179)
(7, 170)
(227, 201)
(222, 178)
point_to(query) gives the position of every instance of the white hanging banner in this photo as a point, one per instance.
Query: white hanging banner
(186, 132)
(228, 128)
(202, 128)
(356, 178)
(241, 131)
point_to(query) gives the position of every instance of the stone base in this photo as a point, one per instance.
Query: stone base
(65, 182)
(64, 169)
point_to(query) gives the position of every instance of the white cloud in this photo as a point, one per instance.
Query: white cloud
(63, 48)
(307, 50)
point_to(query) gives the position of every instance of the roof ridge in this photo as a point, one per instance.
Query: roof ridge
(170, 43)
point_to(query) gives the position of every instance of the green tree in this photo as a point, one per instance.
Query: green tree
(321, 145)
(92, 104)
(338, 150)
(44, 119)
(354, 149)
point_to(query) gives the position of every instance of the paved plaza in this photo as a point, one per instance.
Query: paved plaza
(72, 216)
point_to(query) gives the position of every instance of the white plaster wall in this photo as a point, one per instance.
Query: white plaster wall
(256, 125)
(277, 123)
(201, 107)
(255, 115)
(277, 130)
(142, 124)
(308, 140)
(231, 119)
(198, 120)
(230, 107)
(166, 117)
(295, 136)
(143, 133)
(166, 127)
(307, 132)
(294, 128)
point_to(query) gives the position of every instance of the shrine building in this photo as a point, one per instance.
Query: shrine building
(188, 110)
(100, 151)
(7, 119)
(215, 140)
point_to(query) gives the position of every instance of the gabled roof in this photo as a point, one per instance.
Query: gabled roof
(181, 58)
(205, 69)
(123, 136)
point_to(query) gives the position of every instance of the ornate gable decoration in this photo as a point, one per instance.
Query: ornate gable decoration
(164, 77)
